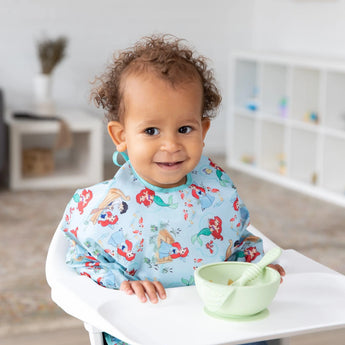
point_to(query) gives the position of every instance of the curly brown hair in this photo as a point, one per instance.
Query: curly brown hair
(167, 58)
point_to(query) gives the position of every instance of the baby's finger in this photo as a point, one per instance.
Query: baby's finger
(160, 289)
(126, 287)
(280, 270)
(151, 291)
(139, 290)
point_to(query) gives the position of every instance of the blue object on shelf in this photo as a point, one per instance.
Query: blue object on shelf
(253, 103)
(252, 107)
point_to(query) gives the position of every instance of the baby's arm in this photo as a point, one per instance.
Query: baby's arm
(111, 275)
(88, 257)
(144, 288)
(103, 272)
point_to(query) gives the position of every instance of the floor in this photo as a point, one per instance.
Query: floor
(279, 211)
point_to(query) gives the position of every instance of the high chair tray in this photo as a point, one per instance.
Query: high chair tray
(310, 299)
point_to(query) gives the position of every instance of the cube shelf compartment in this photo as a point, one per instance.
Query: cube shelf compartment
(81, 165)
(335, 101)
(274, 88)
(272, 147)
(287, 121)
(303, 156)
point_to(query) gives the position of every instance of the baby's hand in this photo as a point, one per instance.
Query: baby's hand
(143, 288)
(280, 270)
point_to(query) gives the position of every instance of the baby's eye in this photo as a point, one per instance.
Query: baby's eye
(185, 129)
(152, 131)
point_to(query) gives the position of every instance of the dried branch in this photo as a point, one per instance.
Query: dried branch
(50, 53)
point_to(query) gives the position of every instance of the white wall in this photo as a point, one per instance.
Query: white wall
(309, 27)
(97, 28)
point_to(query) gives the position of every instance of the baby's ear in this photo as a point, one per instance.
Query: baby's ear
(117, 134)
(205, 123)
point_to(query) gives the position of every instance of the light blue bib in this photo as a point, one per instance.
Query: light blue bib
(125, 228)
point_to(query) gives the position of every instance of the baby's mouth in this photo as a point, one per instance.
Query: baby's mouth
(169, 165)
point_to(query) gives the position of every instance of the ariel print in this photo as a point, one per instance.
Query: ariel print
(148, 196)
(199, 193)
(168, 249)
(214, 229)
(127, 229)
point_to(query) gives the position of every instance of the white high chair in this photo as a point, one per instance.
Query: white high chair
(310, 299)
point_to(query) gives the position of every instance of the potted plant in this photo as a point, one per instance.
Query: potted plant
(50, 53)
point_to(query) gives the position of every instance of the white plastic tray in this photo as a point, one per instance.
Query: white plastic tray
(311, 299)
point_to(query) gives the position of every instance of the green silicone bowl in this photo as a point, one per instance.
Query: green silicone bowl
(212, 284)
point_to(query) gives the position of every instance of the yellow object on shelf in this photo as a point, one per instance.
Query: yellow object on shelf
(248, 159)
(314, 178)
(311, 117)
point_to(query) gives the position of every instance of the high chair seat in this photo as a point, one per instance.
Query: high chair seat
(310, 299)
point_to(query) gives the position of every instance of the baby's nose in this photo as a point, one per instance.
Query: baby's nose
(170, 144)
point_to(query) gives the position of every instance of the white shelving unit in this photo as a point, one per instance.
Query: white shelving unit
(78, 166)
(287, 122)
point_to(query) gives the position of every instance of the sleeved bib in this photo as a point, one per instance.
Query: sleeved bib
(138, 231)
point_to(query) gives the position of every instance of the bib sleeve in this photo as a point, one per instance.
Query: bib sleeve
(249, 248)
(107, 274)
(89, 258)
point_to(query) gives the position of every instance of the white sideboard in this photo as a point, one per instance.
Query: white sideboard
(78, 166)
(287, 121)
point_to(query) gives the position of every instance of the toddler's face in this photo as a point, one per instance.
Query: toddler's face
(163, 131)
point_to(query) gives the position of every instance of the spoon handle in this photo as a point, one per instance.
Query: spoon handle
(269, 257)
(254, 270)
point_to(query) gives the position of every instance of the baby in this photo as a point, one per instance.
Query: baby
(168, 209)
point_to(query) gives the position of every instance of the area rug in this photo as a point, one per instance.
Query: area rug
(27, 223)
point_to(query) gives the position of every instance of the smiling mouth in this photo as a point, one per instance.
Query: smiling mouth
(169, 165)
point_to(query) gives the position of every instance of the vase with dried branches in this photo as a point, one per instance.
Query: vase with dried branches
(50, 53)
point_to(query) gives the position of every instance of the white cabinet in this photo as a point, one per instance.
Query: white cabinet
(287, 121)
(78, 166)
